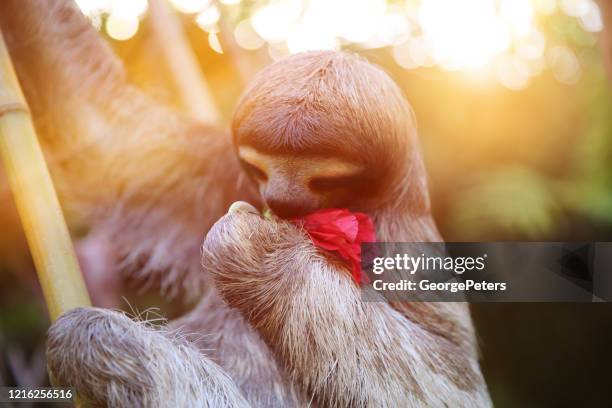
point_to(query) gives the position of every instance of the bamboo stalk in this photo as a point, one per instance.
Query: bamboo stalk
(606, 34)
(186, 74)
(37, 203)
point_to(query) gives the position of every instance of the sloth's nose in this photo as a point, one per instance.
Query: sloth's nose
(284, 208)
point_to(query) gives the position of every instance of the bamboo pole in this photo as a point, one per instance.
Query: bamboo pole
(37, 203)
(606, 34)
(186, 74)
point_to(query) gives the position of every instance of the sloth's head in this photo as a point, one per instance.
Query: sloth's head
(324, 129)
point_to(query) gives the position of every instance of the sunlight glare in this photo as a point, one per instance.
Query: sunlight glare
(360, 18)
(454, 32)
(277, 51)
(393, 29)
(545, 6)
(190, 6)
(412, 54)
(518, 14)
(502, 38)
(513, 73)
(575, 8)
(129, 8)
(591, 20)
(121, 27)
(565, 65)
(305, 38)
(275, 21)
(94, 7)
(214, 43)
(532, 46)
(208, 18)
(246, 37)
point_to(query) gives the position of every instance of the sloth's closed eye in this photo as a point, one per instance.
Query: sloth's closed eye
(255, 171)
(325, 184)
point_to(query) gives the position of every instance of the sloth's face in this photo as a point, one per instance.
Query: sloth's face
(293, 185)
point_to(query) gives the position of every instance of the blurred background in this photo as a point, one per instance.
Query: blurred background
(514, 109)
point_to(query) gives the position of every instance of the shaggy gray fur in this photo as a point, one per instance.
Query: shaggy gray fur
(280, 324)
(127, 363)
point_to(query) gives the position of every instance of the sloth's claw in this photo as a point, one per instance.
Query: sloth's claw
(242, 206)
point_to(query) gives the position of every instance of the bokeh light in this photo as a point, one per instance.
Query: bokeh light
(121, 26)
(246, 37)
(513, 106)
(275, 21)
(214, 43)
(190, 6)
(504, 39)
(135, 8)
(565, 65)
(208, 18)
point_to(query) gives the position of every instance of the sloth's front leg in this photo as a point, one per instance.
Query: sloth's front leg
(336, 348)
(114, 361)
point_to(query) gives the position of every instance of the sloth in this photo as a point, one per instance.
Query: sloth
(285, 325)
(278, 323)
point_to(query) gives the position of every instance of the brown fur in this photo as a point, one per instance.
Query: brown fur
(337, 349)
(327, 104)
(132, 172)
(285, 325)
(139, 367)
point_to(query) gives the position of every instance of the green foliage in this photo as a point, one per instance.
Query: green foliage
(570, 183)
(514, 200)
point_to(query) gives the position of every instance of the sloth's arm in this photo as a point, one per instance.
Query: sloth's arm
(210, 357)
(147, 180)
(113, 361)
(337, 348)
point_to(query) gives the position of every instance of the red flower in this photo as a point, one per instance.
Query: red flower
(341, 231)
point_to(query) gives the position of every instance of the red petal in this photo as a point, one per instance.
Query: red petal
(366, 228)
(348, 225)
(340, 231)
(325, 216)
